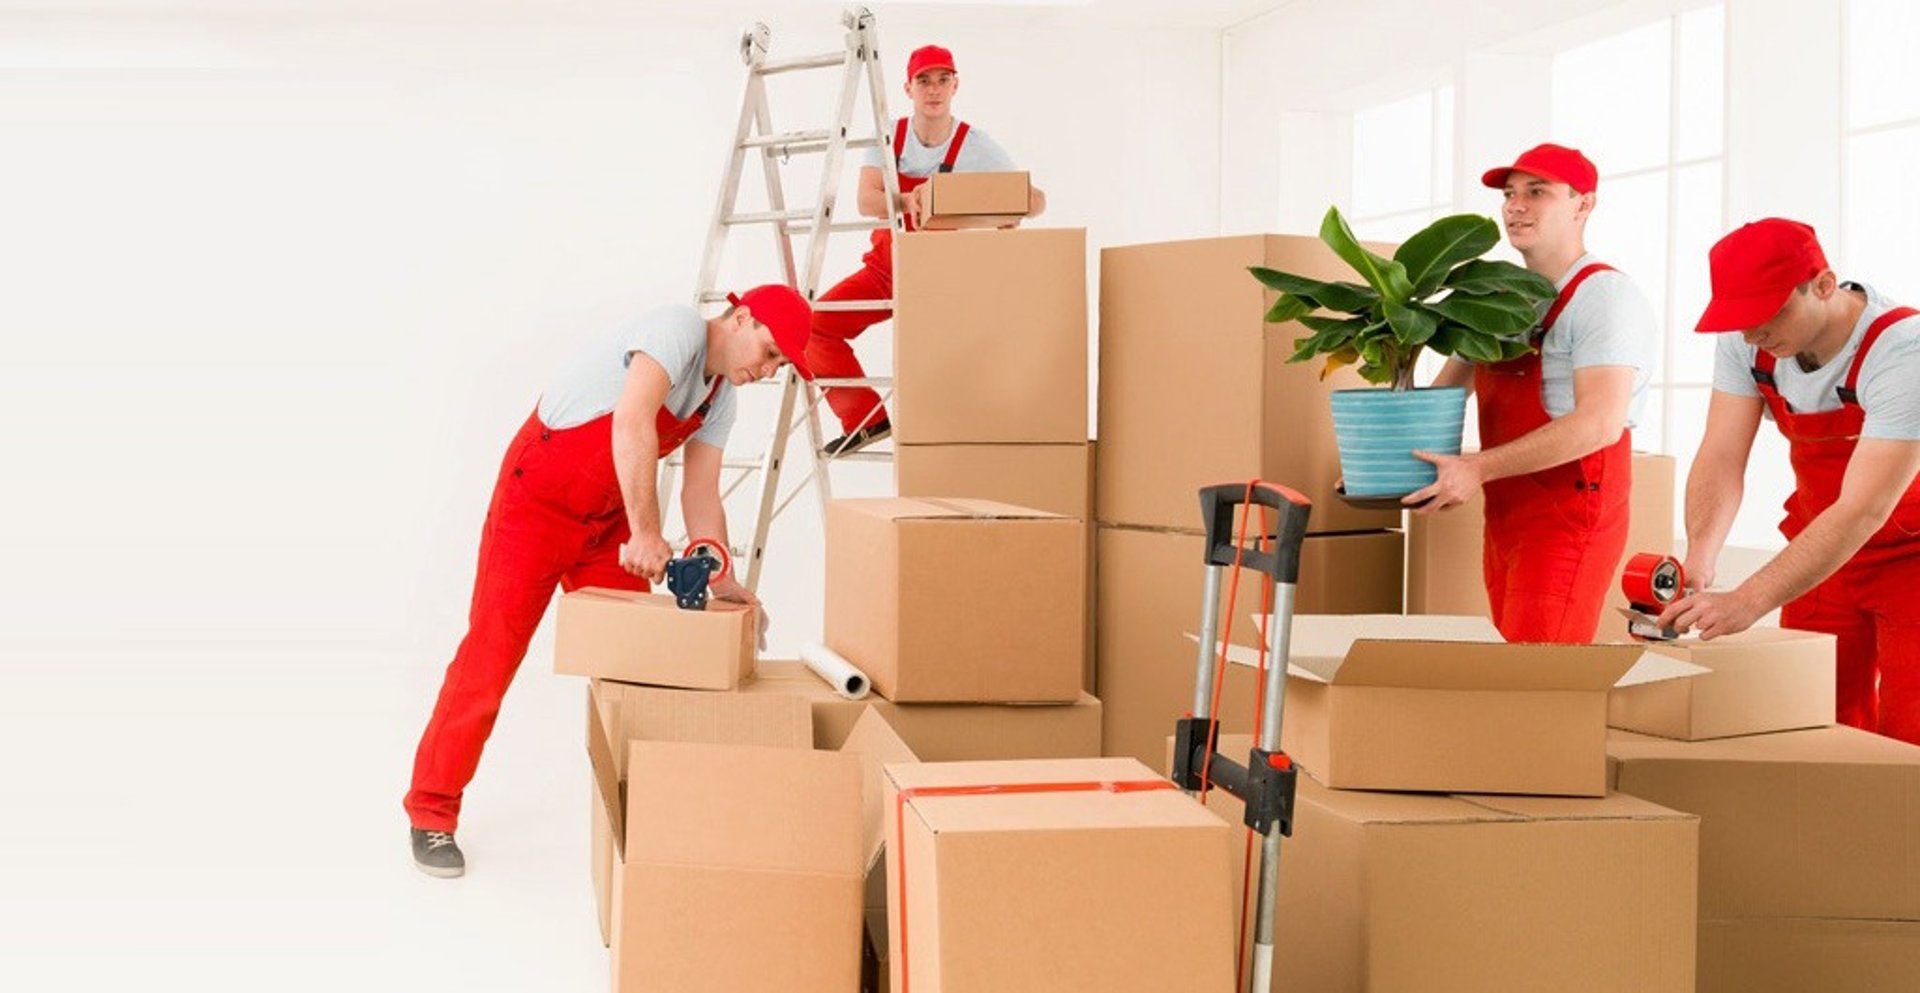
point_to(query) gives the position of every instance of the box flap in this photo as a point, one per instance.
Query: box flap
(1612, 807)
(1838, 744)
(744, 806)
(943, 508)
(1096, 808)
(606, 774)
(659, 714)
(877, 745)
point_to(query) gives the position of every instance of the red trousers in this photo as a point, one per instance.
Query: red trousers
(1552, 551)
(556, 519)
(830, 349)
(1872, 608)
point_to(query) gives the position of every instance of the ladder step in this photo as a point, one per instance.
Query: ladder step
(864, 224)
(827, 305)
(773, 67)
(867, 381)
(785, 138)
(811, 147)
(860, 456)
(771, 217)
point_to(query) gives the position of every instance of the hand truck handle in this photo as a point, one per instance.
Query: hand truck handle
(1218, 505)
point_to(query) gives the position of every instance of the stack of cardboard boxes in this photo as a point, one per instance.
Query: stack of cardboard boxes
(1195, 389)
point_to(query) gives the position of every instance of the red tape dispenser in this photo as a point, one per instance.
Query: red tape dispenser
(1651, 581)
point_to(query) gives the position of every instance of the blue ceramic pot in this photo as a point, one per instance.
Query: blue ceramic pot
(1379, 429)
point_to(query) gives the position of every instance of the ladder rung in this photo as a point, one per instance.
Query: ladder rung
(741, 465)
(868, 381)
(813, 146)
(771, 217)
(867, 224)
(786, 138)
(713, 296)
(772, 67)
(860, 456)
(829, 305)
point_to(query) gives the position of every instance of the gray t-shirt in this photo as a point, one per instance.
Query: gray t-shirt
(978, 153)
(590, 382)
(1889, 385)
(1608, 322)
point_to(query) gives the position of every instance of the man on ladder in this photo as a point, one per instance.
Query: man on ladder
(932, 140)
(575, 505)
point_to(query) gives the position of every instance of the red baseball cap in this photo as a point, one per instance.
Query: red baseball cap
(1755, 269)
(1553, 162)
(929, 57)
(785, 312)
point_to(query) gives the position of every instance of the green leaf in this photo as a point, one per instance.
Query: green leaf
(1433, 252)
(1498, 314)
(1289, 308)
(1411, 323)
(1387, 277)
(1484, 276)
(1349, 297)
(1478, 348)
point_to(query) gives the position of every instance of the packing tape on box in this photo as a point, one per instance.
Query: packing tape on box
(840, 674)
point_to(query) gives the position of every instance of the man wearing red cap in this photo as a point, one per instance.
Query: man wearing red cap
(1555, 425)
(930, 141)
(575, 505)
(1836, 366)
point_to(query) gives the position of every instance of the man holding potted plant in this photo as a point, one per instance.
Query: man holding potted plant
(1555, 424)
(1837, 367)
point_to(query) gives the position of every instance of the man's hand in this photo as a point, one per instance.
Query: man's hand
(1699, 572)
(729, 588)
(646, 555)
(1712, 614)
(1459, 478)
(910, 205)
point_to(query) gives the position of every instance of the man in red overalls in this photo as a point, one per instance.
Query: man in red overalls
(1836, 366)
(1555, 425)
(930, 141)
(575, 505)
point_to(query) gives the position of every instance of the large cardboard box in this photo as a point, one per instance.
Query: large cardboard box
(1055, 478)
(1814, 823)
(1104, 888)
(1444, 574)
(1799, 955)
(1392, 892)
(1441, 704)
(646, 638)
(1149, 594)
(1195, 388)
(943, 732)
(975, 200)
(733, 843)
(958, 601)
(990, 333)
(1762, 679)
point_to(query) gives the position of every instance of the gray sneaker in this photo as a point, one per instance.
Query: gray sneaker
(436, 854)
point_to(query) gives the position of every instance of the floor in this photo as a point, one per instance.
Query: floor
(223, 822)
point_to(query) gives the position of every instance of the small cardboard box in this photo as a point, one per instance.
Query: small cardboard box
(646, 638)
(1441, 704)
(1762, 679)
(1014, 892)
(1796, 955)
(975, 200)
(958, 601)
(1816, 823)
(1467, 894)
(990, 337)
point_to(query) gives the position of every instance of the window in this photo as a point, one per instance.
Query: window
(1396, 193)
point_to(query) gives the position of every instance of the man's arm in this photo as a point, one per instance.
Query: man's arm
(706, 516)
(1455, 373)
(636, 462)
(1717, 481)
(1877, 477)
(873, 196)
(1601, 395)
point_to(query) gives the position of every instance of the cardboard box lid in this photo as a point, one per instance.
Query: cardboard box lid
(1441, 652)
(1013, 811)
(943, 508)
(1836, 745)
(1691, 647)
(643, 598)
(877, 745)
(744, 806)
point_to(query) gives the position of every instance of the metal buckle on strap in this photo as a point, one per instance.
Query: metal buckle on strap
(1848, 395)
(1762, 377)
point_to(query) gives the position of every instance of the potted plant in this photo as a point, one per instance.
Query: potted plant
(1436, 292)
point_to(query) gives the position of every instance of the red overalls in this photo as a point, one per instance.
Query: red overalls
(1871, 605)
(557, 518)
(829, 353)
(1554, 538)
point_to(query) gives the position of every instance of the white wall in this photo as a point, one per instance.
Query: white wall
(277, 290)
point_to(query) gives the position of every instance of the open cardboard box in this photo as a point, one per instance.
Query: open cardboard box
(1441, 704)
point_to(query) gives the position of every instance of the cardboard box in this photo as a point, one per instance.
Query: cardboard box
(646, 638)
(1815, 823)
(957, 600)
(1092, 890)
(1149, 592)
(1444, 574)
(703, 869)
(1195, 387)
(975, 200)
(1395, 891)
(1055, 478)
(1797, 955)
(943, 732)
(990, 332)
(1762, 679)
(1441, 704)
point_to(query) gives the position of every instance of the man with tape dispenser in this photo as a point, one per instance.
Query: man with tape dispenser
(575, 505)
(1836, 367)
